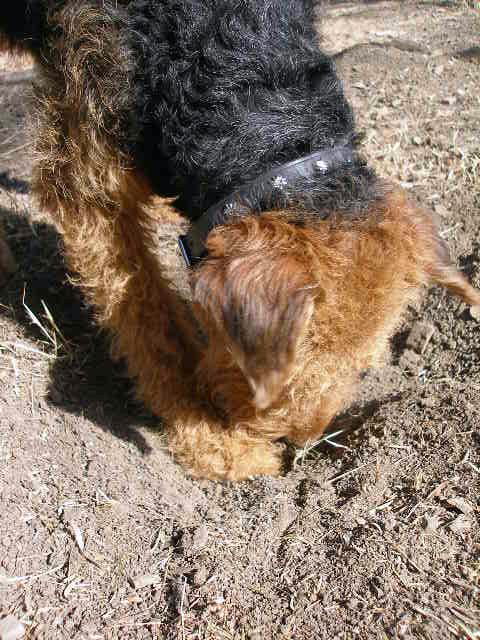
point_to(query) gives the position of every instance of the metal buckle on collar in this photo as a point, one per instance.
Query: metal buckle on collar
(263, 189)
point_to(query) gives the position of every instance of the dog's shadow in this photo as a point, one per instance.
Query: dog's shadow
(83, 379)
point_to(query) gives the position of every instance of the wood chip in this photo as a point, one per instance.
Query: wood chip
(145, 580)
(11, 628)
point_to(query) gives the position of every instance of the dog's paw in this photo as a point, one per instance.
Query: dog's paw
(210, 450)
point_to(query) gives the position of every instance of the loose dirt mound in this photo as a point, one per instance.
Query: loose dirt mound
(371, 535)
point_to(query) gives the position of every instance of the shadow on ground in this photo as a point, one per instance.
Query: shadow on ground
(83, 378)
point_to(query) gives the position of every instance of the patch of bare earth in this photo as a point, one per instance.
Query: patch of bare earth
(374, 533)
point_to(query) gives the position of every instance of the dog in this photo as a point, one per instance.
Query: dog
(300, 260)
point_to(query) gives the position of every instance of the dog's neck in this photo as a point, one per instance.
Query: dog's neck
(276, 188)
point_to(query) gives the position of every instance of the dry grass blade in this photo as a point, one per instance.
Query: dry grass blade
(12, 346)
(12, 152)
(5, 580)
(51, 335)
(78, 535)
(55, 326)
(429, 614)
(9, 138)
(35, 321)
(309, 447)
(474, 467)
(351, 472)
(182, 613)
(465, 622)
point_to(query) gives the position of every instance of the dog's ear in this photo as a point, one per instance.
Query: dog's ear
(257, 287)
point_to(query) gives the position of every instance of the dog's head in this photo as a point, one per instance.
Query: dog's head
(257, 287)
(274, 289)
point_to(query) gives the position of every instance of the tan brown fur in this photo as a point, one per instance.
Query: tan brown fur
(283, 316)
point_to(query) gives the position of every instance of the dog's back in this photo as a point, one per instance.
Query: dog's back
(228, 89)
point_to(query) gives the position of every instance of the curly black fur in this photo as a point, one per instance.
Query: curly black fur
(221, 91)
(24, 23)
(226, 89)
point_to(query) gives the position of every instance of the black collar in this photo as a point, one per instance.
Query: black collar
(264, 193)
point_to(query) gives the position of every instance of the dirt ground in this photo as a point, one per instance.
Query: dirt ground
(372, 534)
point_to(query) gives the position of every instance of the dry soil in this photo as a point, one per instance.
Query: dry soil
(372, 534)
